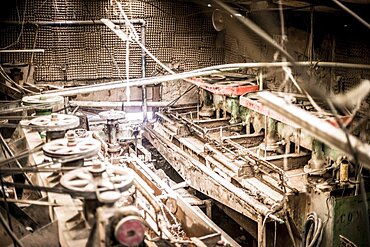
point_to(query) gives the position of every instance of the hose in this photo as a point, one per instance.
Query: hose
(313, 231)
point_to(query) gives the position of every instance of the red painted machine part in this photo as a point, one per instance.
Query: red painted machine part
(234, 88)
(130, 231)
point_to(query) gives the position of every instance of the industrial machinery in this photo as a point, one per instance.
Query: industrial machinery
(267, 170)
(258, 143)
(259, 163)
(93, 202)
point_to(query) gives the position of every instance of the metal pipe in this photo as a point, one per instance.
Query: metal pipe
(357, 17)
(71, 22)
(118, 104)
(280, 64)
(143, 72)
(23, 50)
(318, 128)
(200, 72)
(119, 84)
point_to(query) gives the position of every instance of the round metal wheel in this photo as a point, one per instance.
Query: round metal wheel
(112, 115)
(130, 231)
(63, 148)
(56, 122)
(86, 183)
(41, 99)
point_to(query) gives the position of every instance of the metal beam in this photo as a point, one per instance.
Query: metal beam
(318, 128)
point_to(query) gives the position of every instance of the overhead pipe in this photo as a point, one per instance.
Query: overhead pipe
(280, 64)
(118, 104)
(143, 72)
(23, 50)
(71, 22)
(195, 73)
(142, 22)
(353, 14)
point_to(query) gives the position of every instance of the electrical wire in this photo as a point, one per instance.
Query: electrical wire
(127, 55)
(313, 231)
(256, 29)
(136, 39)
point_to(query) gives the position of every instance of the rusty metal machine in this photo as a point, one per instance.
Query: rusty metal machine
(261, 167)
(91, 201)
(261, 157)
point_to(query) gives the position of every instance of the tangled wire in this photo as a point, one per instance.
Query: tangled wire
(313, 230)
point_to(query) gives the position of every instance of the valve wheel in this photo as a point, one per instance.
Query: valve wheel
(112, 115)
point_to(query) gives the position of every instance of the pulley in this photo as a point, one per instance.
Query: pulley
(219, 20)
(97, 179)
(41, 99)
(71, 146)
(43, 104)
(55, 124)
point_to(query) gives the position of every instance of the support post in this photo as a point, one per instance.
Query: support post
(261, 232)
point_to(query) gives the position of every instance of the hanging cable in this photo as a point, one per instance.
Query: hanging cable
(313, 230)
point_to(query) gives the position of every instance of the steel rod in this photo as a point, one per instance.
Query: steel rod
(143, 73)
(280, 64)
(118, 104)
(23, 50)
(70, 22)
(357, 17)
(184, 75)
